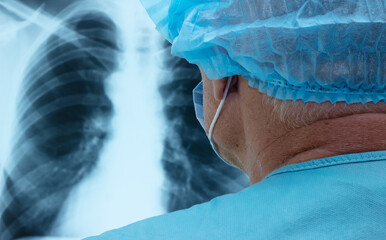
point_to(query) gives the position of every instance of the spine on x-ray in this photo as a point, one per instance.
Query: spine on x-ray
(63, 119)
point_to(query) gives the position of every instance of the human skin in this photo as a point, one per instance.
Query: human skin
(258, 144)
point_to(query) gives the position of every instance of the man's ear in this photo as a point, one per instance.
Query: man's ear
(219, 88)
(219, 85)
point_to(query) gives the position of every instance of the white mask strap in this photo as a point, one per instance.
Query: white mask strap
(219, 108)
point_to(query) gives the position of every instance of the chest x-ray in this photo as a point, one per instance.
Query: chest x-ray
(97, 121)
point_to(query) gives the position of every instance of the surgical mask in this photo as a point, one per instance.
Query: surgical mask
(199, 109)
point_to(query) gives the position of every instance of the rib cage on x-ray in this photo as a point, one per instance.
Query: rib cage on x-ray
(63, 121)
(194, 173)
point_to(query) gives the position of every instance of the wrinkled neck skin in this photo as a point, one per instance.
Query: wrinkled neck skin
(343, 135)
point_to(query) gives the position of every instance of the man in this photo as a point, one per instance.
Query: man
(193, 172)
(294, 95)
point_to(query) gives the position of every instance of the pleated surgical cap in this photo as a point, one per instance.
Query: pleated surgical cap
(313, 50)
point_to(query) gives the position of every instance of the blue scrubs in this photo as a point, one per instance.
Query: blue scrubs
(341, 197)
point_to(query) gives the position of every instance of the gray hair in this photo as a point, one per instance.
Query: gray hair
(295, 114)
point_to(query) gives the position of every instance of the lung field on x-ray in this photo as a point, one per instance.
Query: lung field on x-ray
(63, 121)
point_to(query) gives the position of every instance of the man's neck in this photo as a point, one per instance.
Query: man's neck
(344, 135)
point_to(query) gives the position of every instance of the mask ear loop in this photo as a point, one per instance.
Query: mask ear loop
(219, 108)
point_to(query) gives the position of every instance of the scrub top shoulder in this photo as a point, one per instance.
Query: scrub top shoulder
(341, 197)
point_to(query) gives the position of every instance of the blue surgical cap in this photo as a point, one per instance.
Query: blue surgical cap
(313, 50)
